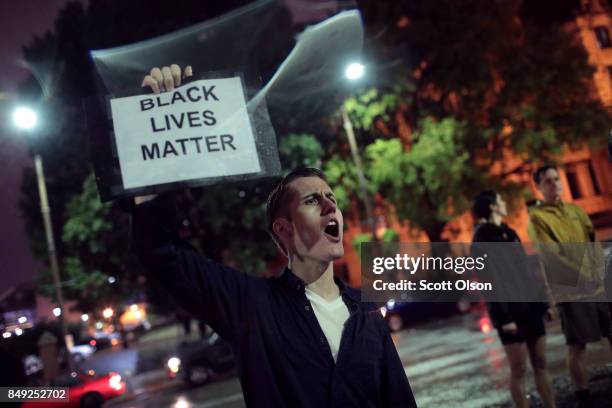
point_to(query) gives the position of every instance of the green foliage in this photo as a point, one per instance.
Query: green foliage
(390, 235)
(89, 219)
(342, 177)
(358, 240)
(425, 181)
(300, 150)
(95, 241)
(471, 80)
(365, 107)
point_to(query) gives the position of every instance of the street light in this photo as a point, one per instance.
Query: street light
(353, 72)
(26, 119)
(107, 313)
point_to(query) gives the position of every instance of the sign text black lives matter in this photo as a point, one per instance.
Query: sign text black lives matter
(199, 130)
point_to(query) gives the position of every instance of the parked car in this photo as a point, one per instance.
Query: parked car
(197, 363)
(102, 340)
(79, 352)
(84, 390)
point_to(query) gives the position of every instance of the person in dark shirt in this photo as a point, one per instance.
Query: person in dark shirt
(520, 325)
(302, 339)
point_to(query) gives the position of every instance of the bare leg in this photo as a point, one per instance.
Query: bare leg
(537, 355)
(577, 366)
(517, 357)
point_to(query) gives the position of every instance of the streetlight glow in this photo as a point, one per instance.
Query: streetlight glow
(57, 311)
(84, 317)
(25, 118)
(22, 319)
(354, 71)
(107, 313)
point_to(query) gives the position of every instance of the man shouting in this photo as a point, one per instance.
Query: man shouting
(302, 339)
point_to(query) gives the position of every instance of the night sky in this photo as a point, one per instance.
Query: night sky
(20, 21)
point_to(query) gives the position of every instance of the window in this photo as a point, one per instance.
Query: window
(596, 186)
(572, 180)
(603, 37)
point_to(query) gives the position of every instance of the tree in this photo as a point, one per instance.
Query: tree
(475, 84)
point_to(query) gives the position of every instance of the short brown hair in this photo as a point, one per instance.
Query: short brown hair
(278, 198)
(537, 175)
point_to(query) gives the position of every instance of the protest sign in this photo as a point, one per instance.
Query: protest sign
(306, 85)
(199, 130)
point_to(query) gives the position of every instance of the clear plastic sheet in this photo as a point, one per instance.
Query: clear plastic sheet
(235, 44)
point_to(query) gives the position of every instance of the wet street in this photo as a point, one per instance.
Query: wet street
(457, 362)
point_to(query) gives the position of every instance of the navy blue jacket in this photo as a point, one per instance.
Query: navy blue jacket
(282, 355)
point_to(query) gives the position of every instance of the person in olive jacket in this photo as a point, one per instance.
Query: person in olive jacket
(520, 325)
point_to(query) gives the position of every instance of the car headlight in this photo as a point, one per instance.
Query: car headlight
(115, 381)
(174, 364)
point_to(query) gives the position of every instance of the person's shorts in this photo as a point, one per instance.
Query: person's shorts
(528, 332)
(584, 322)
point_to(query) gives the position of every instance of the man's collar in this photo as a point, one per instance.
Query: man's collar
(294, 284)
(556, 203)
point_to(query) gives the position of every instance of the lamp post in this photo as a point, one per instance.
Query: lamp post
(353, 72)
(26, 119)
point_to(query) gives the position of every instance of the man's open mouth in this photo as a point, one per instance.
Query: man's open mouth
(332, 229)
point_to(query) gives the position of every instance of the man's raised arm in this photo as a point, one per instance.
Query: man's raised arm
(213, 292)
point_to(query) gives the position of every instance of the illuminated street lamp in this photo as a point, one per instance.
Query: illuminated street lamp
(107, 313)
(353, 72)
(84, 317)
(26, 120)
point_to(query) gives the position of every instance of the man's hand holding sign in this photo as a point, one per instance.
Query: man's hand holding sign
(184, 131)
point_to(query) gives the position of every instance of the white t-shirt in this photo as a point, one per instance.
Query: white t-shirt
(331, 316)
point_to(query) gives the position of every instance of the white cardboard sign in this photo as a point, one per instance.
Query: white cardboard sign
(199, 130)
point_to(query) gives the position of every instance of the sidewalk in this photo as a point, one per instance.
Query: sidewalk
(600, 383)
